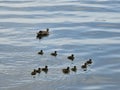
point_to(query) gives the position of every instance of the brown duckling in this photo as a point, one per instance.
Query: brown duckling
(84, 66)
(89, 61)
(33, 72)
(66, 71)
(41, 52)
(74, 69)
(45, 69)
(39, 70)
(71, 57)
(54, 53)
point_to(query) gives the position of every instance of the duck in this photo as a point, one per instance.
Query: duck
(74, 69)
(33, 72)
(41, 52)
(66, 71)
(54, 53)
(71, 57)
(84, 66)
(45, 69)
(39, 70)
(89, 61)
(44, 33)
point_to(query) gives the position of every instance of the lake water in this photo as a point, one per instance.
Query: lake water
(85, 28)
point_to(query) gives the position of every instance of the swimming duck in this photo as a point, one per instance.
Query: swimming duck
(41, 34)
(41, 52)
(66, 71)
(71, 57)
(33, 72)
(39, 70)
(89, 61)
(74, 69)
(45, 69)
(54, 53)
(44, 33)
(84, 66)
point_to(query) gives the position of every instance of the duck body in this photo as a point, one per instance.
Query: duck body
(41, 52)
(74, 69)
(71, 57)
(43, 33)
(54, 53)
(66, 71)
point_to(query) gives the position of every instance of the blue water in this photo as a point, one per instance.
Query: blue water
(85, 28)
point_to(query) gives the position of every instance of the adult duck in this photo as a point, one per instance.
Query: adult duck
(44, 32)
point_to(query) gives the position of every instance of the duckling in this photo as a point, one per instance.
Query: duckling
(74, 69)
(33, 72)
(39, 36)
(44, 33)
(54, 53)
(39, 70)
(84, 66)
(71, 57)
(41, 52)
(89, 61)
(45, 69)
(66, 71)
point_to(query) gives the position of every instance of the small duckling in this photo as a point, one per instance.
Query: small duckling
(66, 71)
(33, 72)
(74, 69)
(39, 36)
(39, 70)
(54, 53)
(84, 66)
(41, 52)
(45, 69)
(71, 57)
(89, 61)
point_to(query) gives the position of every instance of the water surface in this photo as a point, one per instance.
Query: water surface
(85, 28)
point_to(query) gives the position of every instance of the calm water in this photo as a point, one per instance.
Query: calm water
(86, 28)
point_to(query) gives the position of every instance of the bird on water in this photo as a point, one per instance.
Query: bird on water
(54, 53)
(66, 70)
(71, 57)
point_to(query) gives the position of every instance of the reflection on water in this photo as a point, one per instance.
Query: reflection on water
(87, 29)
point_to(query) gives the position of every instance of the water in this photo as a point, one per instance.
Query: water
(85, 28)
